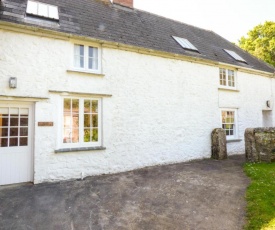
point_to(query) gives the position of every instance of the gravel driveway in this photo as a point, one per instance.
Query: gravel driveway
(204, 194)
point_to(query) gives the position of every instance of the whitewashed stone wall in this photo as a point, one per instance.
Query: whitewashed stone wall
(161, 110)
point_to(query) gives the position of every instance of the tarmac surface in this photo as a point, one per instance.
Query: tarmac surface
(204, 194)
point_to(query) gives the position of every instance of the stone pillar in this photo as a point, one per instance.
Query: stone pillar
(219, 151)
(250, 146)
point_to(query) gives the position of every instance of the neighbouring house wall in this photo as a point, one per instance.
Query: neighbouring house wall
(161, 110)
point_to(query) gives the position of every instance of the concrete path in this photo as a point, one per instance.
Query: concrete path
(204, 194)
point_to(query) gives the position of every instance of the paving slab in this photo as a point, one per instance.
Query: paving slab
(204, 194)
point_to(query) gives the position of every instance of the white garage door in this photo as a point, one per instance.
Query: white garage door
(16, 161)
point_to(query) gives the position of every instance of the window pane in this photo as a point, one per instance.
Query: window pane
(93, 58)
(87, 106)
(24, 111)
(94, 106)
(75, 105)
(3, 142)
(4, 132)
(14, 121)
(67, 120)
(14, 141)
(95, 121)
(53, 12)
(75, 136)
(4, 121)
(232, 83)
(67, 105)
(95, 135)
(93, 63)
(23, 141)
(23, 131)
(93, 52)
(32, 7)
(4, 111)
(87, 135)
(223, 116)
(75, 121)
(79, 62)
(13, 131)
(87, 120)
(222, 76)
(66, 136)
(231, 80)
(14, 111)
(23, 121)
(79, 56)
(43, 10)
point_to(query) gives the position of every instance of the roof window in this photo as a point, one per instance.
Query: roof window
(42, 10)
(185, 43)
(235, 56)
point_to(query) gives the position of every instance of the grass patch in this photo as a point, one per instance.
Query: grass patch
(260, 196)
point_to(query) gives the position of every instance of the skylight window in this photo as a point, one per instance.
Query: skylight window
(235, 56)
(185, 43)
(43, 10)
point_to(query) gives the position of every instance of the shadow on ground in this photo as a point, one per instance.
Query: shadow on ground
(205, 194)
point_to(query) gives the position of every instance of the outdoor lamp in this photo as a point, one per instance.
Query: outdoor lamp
(13, 82)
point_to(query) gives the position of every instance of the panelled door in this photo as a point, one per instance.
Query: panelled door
(16, 158)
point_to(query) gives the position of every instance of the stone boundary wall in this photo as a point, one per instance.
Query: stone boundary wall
(260, 144)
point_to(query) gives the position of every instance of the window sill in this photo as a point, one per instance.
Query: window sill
(228, 89)
(233, 140)
(85, 72)
(80, 149)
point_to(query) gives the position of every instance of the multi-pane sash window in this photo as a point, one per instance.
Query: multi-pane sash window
(229, 122)
(81, 121)
(86, 58)
(227, 78)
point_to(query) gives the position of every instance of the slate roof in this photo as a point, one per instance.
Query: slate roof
(105, 21)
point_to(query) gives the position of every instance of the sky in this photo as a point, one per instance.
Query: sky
(231, 19)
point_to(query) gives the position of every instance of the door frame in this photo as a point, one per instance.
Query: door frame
(31, 105)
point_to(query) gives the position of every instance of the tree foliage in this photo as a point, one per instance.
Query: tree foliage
(260, 42)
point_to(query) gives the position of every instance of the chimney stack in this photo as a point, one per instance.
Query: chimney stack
(127, 3)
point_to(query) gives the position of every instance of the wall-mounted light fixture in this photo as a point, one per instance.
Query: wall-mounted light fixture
(13, 82)
(268, 104)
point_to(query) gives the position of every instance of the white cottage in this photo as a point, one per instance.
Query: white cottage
(92, 87)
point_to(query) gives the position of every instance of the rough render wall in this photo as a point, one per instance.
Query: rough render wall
(162, 111)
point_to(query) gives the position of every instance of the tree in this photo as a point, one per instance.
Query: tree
(260, 42)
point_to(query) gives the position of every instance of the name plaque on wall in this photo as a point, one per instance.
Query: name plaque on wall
(45, 124)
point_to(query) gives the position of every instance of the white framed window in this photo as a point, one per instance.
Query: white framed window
(81, 122)
(229, 123)
(42, 9)
(227, 78)
(87, 58)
